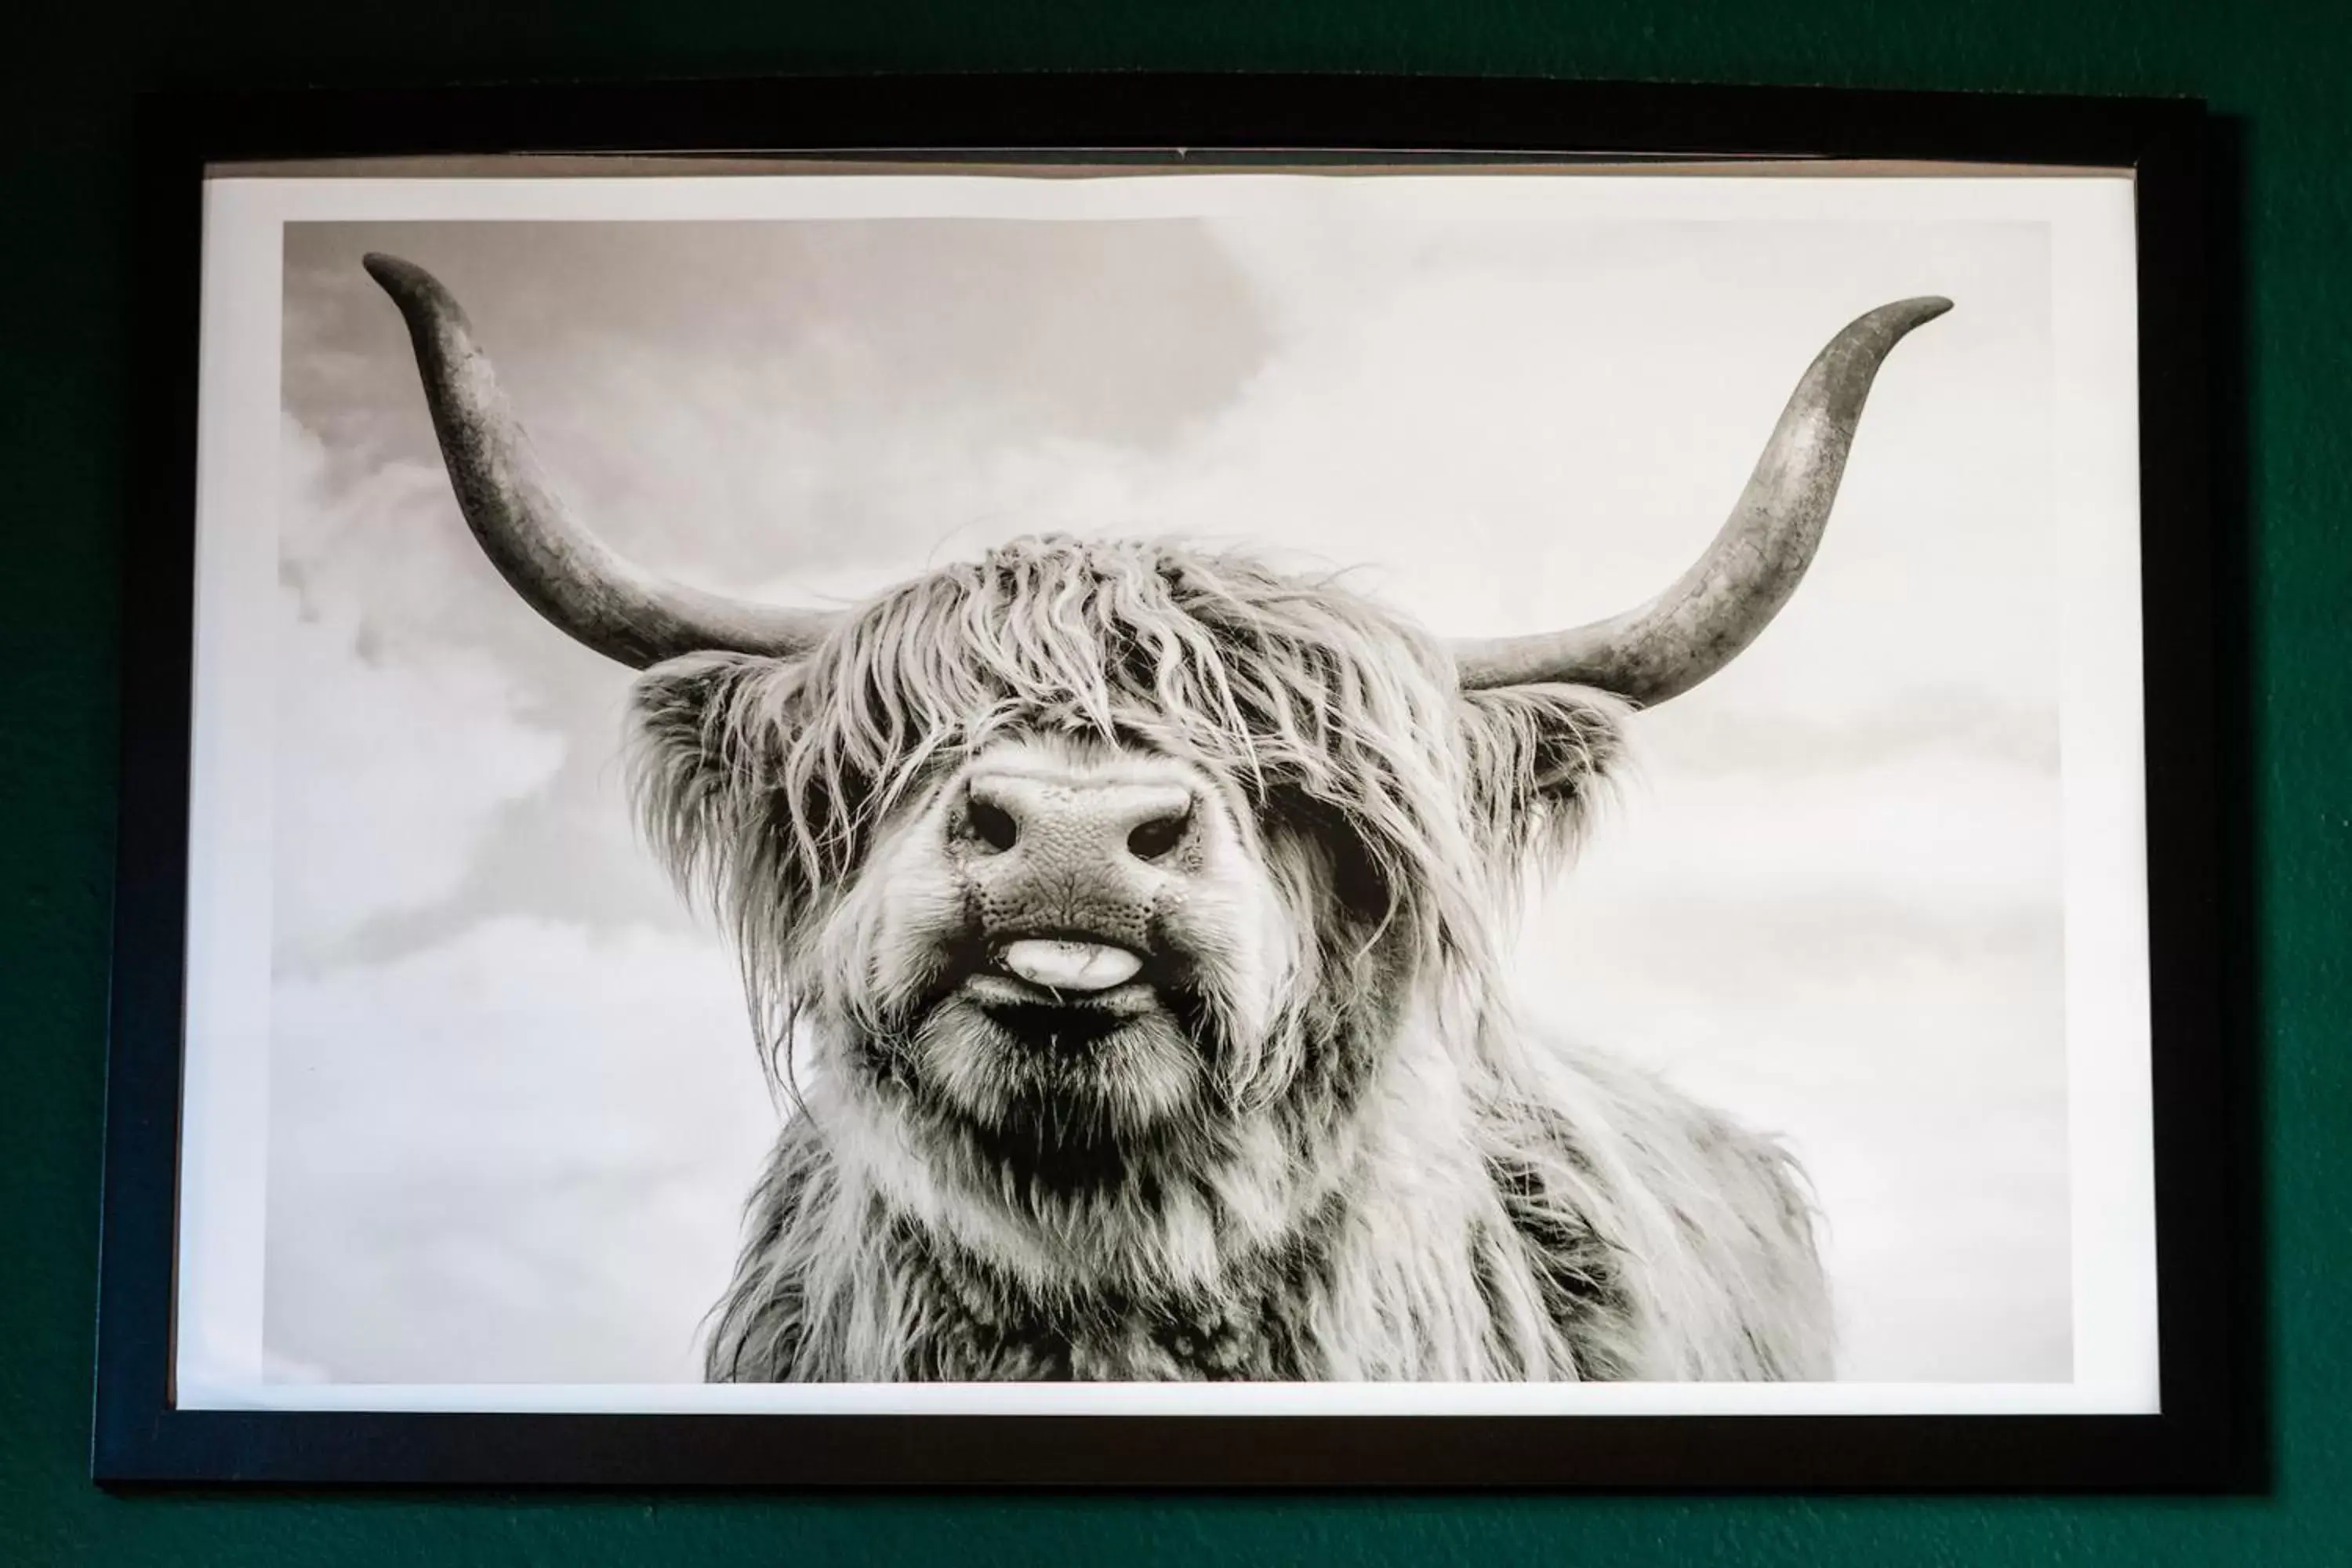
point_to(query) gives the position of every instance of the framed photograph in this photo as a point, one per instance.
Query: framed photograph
(1166, 781)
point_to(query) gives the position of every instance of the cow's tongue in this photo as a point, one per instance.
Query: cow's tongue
(1069, 965)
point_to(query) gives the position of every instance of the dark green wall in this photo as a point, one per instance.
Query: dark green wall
(2282, 72)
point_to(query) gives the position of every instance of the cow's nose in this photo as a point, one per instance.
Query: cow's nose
(1070, 823)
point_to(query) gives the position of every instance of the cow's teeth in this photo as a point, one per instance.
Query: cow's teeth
(1070, 965)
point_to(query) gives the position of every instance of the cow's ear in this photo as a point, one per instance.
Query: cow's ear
(1537, 757)
(700, 759)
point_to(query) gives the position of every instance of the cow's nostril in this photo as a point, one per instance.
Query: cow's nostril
(1154, 839)
(993, 825)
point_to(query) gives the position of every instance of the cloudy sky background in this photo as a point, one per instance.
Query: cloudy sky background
(514, 1104)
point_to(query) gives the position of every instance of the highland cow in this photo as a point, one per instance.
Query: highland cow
(1138, 911)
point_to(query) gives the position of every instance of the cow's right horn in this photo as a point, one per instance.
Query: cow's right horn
(561, 570)
(1714, 610)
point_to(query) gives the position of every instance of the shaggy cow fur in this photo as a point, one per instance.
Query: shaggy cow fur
(1329, 1150)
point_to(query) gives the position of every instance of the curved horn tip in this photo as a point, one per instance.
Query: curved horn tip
(1903, 315)
(410, 286)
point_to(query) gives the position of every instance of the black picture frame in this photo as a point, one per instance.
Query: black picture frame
(2201, 1440)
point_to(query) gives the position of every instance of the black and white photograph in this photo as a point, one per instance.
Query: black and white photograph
(1112, 790)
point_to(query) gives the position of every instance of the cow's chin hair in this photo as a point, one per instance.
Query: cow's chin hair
(1062, 1112)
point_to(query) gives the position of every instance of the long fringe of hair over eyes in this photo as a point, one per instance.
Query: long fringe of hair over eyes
(762, 783)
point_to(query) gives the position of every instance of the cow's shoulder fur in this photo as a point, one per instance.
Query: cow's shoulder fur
(1588, 1222)
(1700, 1231)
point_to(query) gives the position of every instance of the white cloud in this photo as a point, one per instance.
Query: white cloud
(395, 753)
(521, 1154)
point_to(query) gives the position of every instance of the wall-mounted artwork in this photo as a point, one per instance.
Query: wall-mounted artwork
(1089, 790)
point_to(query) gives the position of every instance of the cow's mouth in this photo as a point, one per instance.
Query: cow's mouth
(1064, 995)
(1065, 1083)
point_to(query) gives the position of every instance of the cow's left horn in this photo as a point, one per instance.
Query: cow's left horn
(1713, 611)
(561, 570)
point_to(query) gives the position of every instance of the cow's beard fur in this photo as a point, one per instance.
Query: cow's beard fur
(1426, 1196)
